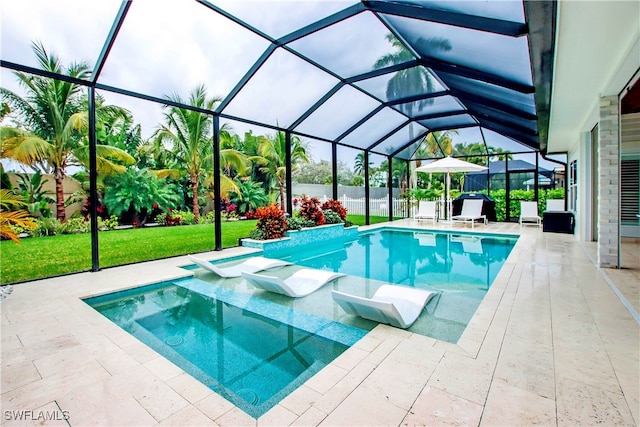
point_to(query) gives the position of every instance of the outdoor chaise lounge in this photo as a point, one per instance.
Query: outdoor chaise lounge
(250, 265)
(529, 214)
(471, 211)
(427, 210)
(299, 284)
(395, 305)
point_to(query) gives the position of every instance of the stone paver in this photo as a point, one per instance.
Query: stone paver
(550, 344)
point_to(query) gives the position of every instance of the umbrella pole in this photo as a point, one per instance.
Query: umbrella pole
(448, 213)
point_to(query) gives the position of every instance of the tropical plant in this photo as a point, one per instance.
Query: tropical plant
(11, 214)
(331, 217)
(296, 222)
(272, 160)
(49, 136)
(358, 165)
(250, 197)
(335, 206)
(190, 135)
(36, 198)
(310, 209)
(410, 80)
(272, 223)
(135, 192)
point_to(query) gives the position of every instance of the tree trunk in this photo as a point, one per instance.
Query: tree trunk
(194, 190)
(282, 196)
(61, 213)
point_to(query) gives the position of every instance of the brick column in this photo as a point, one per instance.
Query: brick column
(608, 182)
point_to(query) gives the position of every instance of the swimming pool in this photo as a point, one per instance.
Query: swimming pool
(254, 347)
(251, 352)
(461, 266)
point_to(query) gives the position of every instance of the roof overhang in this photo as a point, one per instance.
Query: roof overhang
(594, 39)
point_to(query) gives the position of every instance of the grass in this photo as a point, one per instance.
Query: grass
(361, 219)
(49, 256)
(40, 257)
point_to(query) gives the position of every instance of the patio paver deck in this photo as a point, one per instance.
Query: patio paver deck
(550, 344)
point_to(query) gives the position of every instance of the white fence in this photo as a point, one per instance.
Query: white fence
(377, 207)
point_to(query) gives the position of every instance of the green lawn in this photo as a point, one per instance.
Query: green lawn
(38, 257)
(360, 219)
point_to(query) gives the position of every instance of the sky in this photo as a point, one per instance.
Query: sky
(168, 47)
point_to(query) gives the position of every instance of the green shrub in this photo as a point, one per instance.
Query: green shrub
(46, 227)
(209, 218)
(256, 234)
(298, 223)
(75, 225)
(331, 217)
(108, 223)
(187, 217)
(18, 229)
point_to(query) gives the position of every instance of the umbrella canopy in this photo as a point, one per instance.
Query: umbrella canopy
(450, 165)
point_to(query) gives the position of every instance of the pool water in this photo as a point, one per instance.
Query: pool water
(441, 260)
(254, 347)
(246, 355)
(460, 266)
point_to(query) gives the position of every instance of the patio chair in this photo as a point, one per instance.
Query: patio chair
(250, 265)
(427, 210)
(398, 306)
(299, 284)
(529, 214)
(471, 211)
(555, 205)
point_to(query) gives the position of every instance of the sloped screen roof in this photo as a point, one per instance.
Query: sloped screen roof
(373, 75)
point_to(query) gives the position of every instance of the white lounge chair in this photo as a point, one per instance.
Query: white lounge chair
(471, 211)
(299, 284)
(427, 210)
(529, 214)
(251, 265)
(555, 205)
(395, 305)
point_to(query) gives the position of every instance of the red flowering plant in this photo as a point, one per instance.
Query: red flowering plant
(310, 209)
(272, 223)
(170, 219)
(336, 206)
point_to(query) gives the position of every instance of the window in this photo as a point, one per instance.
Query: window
(573, 186)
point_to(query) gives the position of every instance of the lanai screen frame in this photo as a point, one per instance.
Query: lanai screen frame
(539, 27)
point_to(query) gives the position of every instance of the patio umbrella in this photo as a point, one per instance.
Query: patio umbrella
(449, 165)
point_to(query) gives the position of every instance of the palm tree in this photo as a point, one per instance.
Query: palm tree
(358, 165)
(12, 213)
(190, 134)
(272, 161)
(50, 135)
(410, 81)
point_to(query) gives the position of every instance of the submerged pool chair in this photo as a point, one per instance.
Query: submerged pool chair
(529, 214)
(299, 284)
(427, 210)
(398, 306)
(250, 265)
(471, 211)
